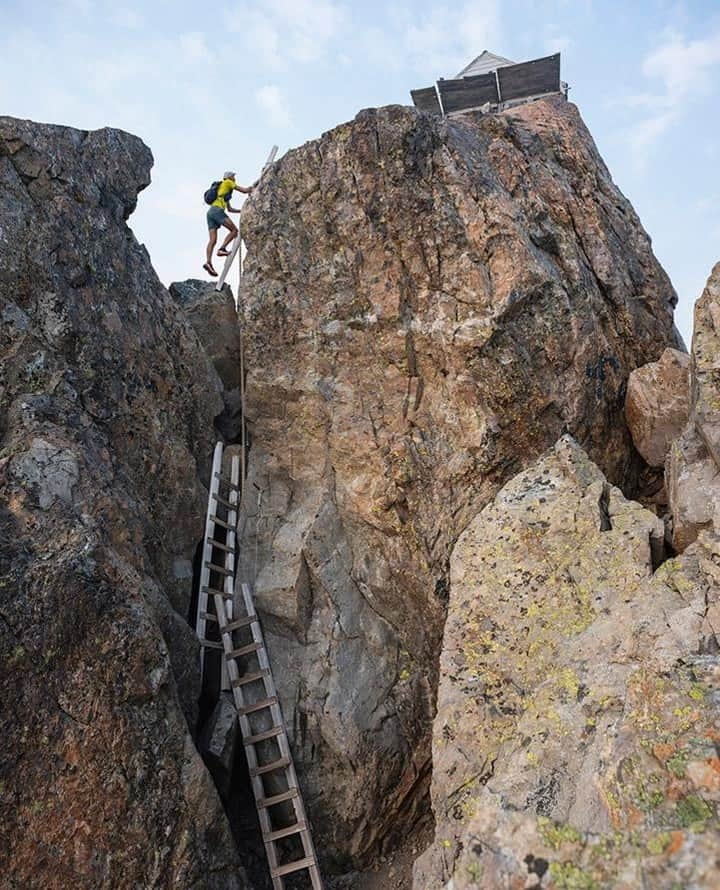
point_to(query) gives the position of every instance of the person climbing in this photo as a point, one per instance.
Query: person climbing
(217, 216)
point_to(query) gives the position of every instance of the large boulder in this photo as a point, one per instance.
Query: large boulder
(213, 315)
(692, 470)
(657, 404)
(575, 742)
(427, 305)
(107, 402)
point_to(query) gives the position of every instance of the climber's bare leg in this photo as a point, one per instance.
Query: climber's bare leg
(229, 224)
(212, 241)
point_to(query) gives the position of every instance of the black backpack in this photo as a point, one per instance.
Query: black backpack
(212, 192)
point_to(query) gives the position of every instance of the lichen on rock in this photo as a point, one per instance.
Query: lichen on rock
(577, 725)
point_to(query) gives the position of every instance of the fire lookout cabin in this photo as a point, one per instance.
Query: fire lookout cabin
(492, 83)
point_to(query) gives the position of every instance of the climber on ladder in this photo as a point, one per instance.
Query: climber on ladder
(218, 197)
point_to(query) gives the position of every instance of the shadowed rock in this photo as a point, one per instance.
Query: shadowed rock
(106, 406)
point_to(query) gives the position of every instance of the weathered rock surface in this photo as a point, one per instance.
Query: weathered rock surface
(658, 404)
(213, 315)
(576, 739)
(106, 407)
(219, 740)
(428, 305)
(692, 470)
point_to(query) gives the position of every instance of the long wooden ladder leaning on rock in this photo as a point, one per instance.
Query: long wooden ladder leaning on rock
(266, 747)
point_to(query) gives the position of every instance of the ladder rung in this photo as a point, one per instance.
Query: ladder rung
(263, 736)
(213, 591)
(243, 650)
(226, 480)
(222, 523)
(258, 706)
(221, 570)
(208, 616)
(211, 644)
(277, 798)
(225, 503)
(288, 869)
(220, 546)
(250, 678)
(285, 832)
(238, 623)
(269, 767)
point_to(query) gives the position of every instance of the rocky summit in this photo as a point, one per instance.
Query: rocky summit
(497, 668)
(427, 305)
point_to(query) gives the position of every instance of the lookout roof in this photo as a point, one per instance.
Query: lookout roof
(485, 62)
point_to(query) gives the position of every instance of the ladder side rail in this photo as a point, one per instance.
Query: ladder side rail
(255, 780)
(238, 241)
(284, 744)
(200, 620)
(231, 544)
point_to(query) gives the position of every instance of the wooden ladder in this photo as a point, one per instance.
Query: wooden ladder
(267, 748)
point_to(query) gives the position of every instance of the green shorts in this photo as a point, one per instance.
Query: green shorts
(215, 218)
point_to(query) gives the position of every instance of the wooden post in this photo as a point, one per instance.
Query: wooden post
(207, 553)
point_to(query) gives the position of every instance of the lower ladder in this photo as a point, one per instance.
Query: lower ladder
(272, 772)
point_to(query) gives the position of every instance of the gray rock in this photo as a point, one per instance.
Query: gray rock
(107, 402)
(219, 740)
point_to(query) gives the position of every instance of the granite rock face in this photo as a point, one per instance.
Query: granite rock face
(213, 315)
(107, 402)
(576, 738)
(692, 470)
(427, 306)
(658, 404)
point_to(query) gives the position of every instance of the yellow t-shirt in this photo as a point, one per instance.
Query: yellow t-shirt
(225, 190)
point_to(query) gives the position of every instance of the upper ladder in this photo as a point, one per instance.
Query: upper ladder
(272, 772)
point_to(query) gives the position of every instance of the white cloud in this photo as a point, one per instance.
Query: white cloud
(283, 31)
(683, 69)
(193, 46)
(271, 100)
(442, 39)
(124, 17)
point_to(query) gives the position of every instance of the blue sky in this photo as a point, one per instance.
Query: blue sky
(211, 87)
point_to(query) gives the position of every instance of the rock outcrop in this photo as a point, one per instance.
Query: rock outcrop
(428, 305)
(692, 471)
(576, 739)
(107, 402)
(657, 404)
(213, 315)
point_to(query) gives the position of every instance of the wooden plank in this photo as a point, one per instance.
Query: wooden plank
(215, 592)
(225, 480)
(427, 100)
(264, 736)
(278, 798)
(220, 546)
(249, 678)
(468, 92)
(223, 524)
(533, 78)
(221, 570)
(287, 832)
(211, 644)
(291, 867)
(258, 705)
(229, 504)
(243, 650)
(237, 623)
(282, 763)
(208, 616)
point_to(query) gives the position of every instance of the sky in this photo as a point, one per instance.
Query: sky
(210, 88)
